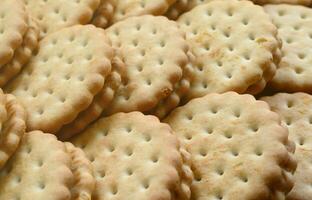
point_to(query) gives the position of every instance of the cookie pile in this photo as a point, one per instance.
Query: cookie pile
(155, 100)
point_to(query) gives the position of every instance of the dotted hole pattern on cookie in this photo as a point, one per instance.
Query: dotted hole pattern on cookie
(294, 30)
(228, 44)
(57, 63)
(150, 57)
(53, 15)
(126, 158)
(225, 151)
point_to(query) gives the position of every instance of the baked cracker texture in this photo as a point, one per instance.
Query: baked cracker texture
(135, 157)
(128, 8)
(54, 15)
(153, 50)
(13, 126)
(13, 25)
(39, 169)
(294, 28)
(295, 111)
(62, 79)
(22, 54)
(239, 149)
(234, 44)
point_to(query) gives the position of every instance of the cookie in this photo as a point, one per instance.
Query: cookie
(78, 58)
(236, 144)
(13, 126)
(100, 102)
(128, 8)
(40, 169)
(294, 110)
(122, 147)
(22, 54)
(103, 15)
(84, 182)
(13, 25)
(54, 15)
(294, 28)
(234, 43)
(153, 50)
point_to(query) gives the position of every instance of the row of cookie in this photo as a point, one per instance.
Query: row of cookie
(127, 156)
(238, 46)
(236, 147)
(182, 6)
(81, 71)
(54, 15)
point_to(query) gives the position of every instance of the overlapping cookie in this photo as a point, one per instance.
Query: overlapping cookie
(13, 126)
(294, 28)
(295, 111)
(13, 25)
(62, 79)
(239, 149)
(53, 15)
(234, 44)
(136, 157)
(44, 168)
(153, 50)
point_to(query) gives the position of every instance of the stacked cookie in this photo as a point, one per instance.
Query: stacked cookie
(154, 100)
(19, 39)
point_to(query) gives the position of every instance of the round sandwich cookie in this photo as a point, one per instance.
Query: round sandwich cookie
(136, 157)
(236, 144)
(13, 126)
(295, 30)
(22, 54)
(295, 111)
(128, 8)
(54, 15)
(234, 43)
(154, 52)
(63, 78)
(45, 168)
(13, 25)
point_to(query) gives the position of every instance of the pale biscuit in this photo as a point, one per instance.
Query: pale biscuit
(84, 182)
(103, 15)
(53, 15)
(22, 54)
(39, 169)
(153, 50)
(13, 126)
(239, 149)
(134, 157)
(13, 25)
(62, 79)
(295, 30)
(128, 8)
(100, 102)
(233, 43)
(295, 111)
